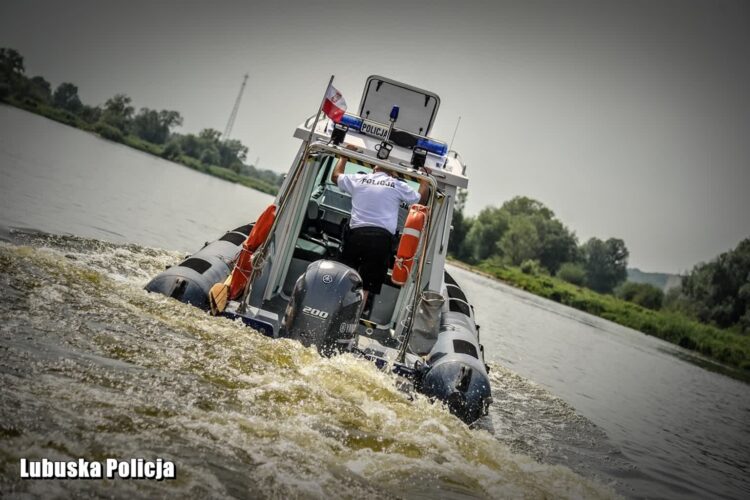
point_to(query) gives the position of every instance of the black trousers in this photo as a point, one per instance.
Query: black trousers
(368, 250)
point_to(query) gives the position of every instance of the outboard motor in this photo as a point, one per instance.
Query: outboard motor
(325, 307)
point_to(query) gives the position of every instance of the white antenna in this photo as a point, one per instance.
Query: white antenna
(454, 134)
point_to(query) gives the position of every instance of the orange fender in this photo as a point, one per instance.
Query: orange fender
(244, 265)
(407, 246)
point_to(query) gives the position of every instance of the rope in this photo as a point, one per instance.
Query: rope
(401, 260)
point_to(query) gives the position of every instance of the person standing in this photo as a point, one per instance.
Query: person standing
(376, 198)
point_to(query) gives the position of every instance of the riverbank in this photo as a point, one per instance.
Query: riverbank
(724, 346)
(108, 133)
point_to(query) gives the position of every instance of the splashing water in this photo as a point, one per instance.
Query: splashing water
(95, 367)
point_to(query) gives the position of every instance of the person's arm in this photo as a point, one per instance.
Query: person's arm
(339, 170)
(424, 191)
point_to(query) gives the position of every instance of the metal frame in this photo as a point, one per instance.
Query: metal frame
(403, 86)
(287, 200)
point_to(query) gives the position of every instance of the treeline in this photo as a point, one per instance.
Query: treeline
(524, 233)
(147, 129)
(717, 292)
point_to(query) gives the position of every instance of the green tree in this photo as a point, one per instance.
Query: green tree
(572, 272)
(557, 244)
(549, 242)
(155, 126)
(170, 119)
(606, 263)
(190, 145)
(90, 114)
(719, 291)
(486, 230)
(210, 156)
(11, 66)
(643, 294)
(172, 150)
(118, 112)
(209, 136)
(531, 267)
(268, 176)
(210, 150)
(523, 205)
(520, 242)
(460, 226)
(232, 154)
(66, 97)
(40, 89)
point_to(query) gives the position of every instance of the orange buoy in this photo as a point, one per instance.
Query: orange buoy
(407, 247)
(243, 267)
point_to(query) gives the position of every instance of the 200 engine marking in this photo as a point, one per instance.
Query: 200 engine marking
(315, 312)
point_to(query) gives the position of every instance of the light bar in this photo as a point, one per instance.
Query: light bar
(351, 121)
(435, 147)
(431, 145)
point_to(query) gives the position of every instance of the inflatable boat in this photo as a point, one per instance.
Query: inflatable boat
(282, 275)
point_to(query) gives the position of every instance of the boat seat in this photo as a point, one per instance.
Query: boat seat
(311, 222)
(308, 250)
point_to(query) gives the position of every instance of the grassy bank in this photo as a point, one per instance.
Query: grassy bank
(725, 346)
(114, 135)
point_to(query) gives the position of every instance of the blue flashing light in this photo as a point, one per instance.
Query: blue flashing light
(394, 113)
(435, 147)
(351, 121)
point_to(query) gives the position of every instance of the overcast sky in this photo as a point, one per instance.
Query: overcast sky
(628, 119)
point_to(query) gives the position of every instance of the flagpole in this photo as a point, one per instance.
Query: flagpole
(260, 252)
(317, 115)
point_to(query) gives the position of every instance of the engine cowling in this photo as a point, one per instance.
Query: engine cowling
(325, 306)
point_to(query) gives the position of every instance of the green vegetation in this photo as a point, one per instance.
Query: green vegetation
(148, 130)
(718, 292)
(524, 244)
(523, 230)
(573, 273)
(643, 294)
(521, 242)
(725, 346)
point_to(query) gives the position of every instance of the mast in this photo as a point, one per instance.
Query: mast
(233, 116)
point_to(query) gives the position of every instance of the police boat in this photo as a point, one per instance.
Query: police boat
(282, 275)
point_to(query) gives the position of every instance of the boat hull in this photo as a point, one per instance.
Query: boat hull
(191, 279)
(324, 310)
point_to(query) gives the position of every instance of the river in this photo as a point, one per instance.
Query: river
(94, 367)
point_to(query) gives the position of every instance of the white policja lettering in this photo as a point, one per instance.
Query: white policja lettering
(140, 469)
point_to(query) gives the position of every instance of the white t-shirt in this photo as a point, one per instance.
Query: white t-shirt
(376, 198)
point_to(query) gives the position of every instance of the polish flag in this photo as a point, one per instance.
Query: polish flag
(334, 104)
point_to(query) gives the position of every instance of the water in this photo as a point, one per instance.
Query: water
(678, 429)
(94, 367)
(59, 180)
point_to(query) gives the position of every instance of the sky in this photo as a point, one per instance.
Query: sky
(628, 119)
